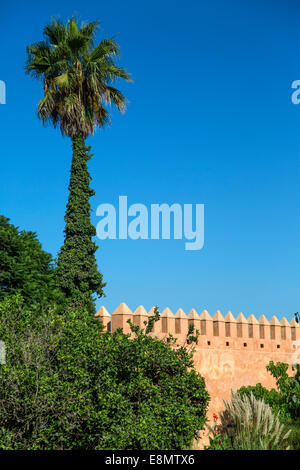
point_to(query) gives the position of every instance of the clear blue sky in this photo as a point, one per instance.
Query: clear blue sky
(210, 121)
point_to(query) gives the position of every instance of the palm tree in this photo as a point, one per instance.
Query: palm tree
(77, 78)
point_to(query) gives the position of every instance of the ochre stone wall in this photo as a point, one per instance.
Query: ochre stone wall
(231, 352)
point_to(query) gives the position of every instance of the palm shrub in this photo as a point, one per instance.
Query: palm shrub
(78, 78)
(248, 423)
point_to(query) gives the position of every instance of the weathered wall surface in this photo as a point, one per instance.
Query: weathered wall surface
(230, 369)
(231, 352)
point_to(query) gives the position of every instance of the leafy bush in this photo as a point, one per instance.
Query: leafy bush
(294, 437)
(218, 440)
(24, 266)
(285, 400)
(248, 424)
(289, 388)
(66, 386)
(270, 397)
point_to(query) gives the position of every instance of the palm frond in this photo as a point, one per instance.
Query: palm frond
(62, 80)
(89, 30)
(106, 47)
(77, 76)
(55, 32)
(72, 28)
(114, 96)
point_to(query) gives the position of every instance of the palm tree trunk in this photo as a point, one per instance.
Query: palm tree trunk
(77, 273)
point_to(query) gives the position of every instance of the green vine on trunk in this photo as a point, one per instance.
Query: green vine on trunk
(77, 273)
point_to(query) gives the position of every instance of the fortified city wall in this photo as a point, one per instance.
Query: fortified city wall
(231, 352)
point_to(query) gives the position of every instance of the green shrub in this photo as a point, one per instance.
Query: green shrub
(294, 437)
(66, 386)
(218, 440)
(288, 387)
(248, 423)
(25, 267)
(286, 400)
(270, 397)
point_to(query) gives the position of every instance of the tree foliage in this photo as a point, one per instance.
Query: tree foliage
(286, 399)
(67, 386)
(288, 387)
(24, 266)
(78, 77)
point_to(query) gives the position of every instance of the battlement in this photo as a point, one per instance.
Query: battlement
(217, 331)
(231, 352)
